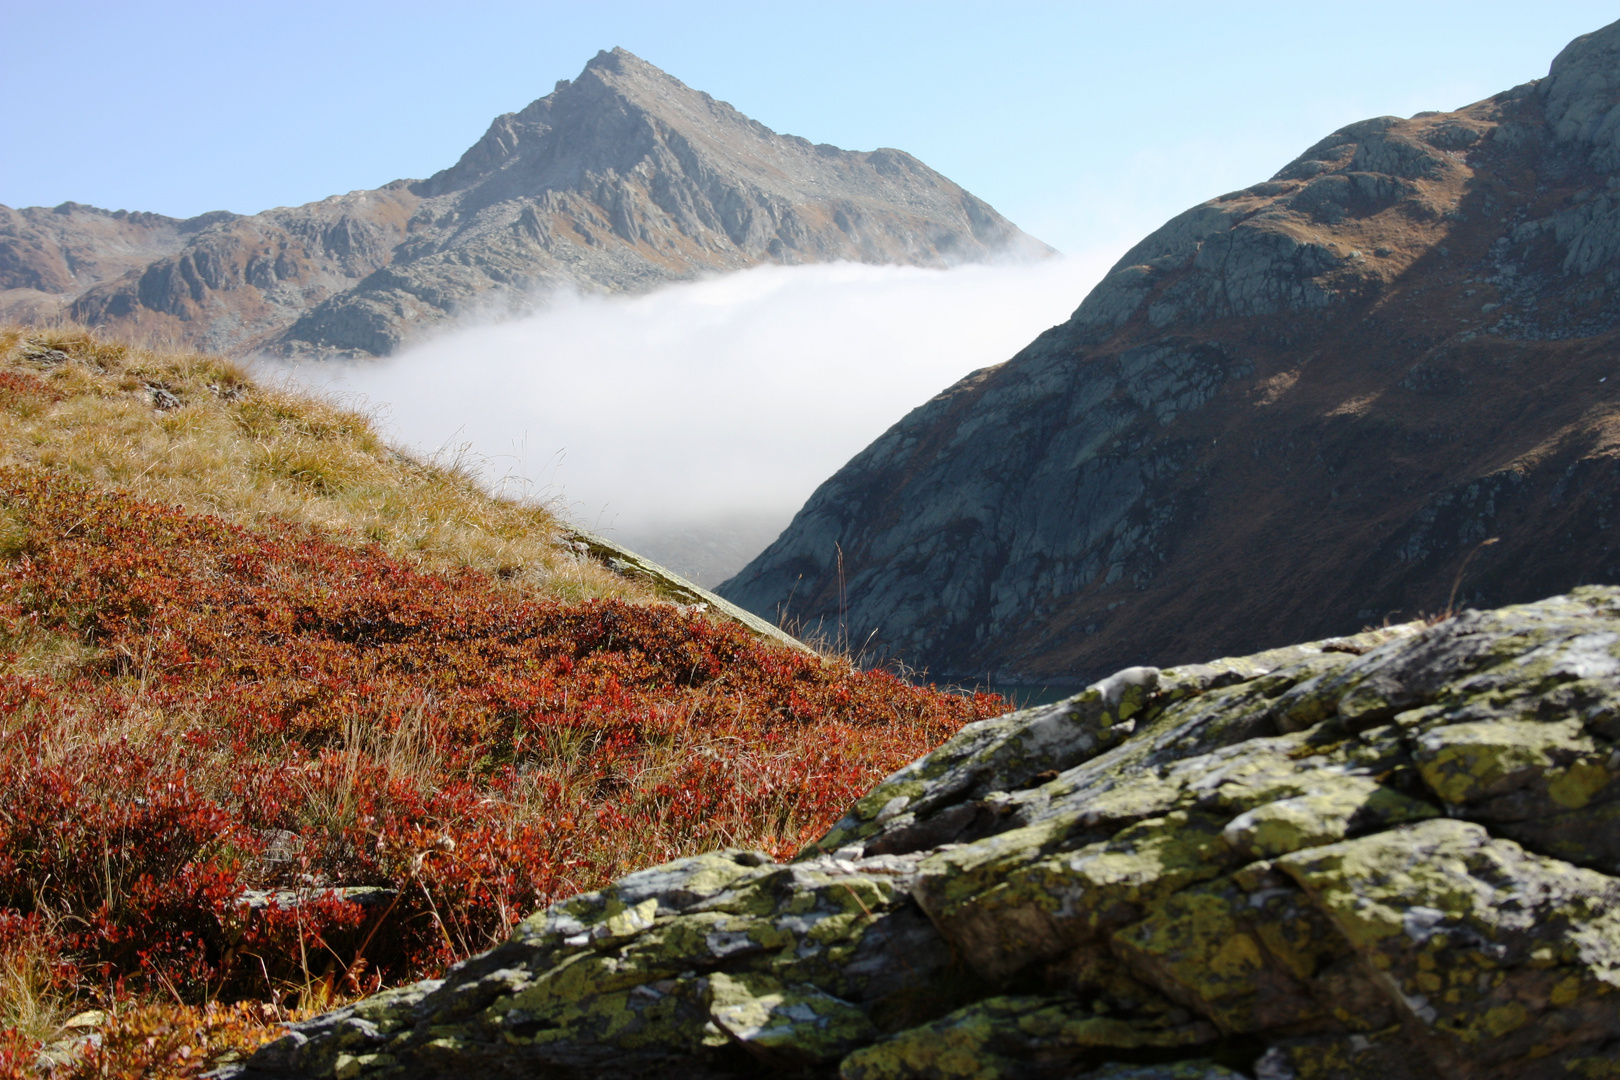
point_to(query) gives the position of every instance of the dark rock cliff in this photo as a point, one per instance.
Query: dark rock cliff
(620, 180)
(1292, 411)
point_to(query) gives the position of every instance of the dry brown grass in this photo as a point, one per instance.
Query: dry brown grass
(31, 1003)
(196, 431)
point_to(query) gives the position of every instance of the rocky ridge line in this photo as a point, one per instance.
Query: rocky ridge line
(1292, 411)
(1379, 857)
(49, 254)
(618, 181)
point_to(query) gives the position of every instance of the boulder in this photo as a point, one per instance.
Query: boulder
(1377, 857)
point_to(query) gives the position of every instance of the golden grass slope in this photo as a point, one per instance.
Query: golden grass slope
(195, 431)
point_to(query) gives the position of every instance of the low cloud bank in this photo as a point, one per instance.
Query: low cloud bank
(724, 399)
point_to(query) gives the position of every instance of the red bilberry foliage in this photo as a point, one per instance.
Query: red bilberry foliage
(250, 719)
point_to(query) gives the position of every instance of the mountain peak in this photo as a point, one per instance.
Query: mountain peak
(1294, 410)
(620, 179)
(618, 64)
(617, 58)
(1582, 95)
(616, 92)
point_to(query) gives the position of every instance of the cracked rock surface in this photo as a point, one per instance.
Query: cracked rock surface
(1380, 857)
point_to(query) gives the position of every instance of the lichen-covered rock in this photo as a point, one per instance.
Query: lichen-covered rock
(1376, 858)
(1498, 956)
(999, 1037)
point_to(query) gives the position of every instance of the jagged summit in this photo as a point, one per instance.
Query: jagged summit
(1292, 411)
(618, 180)
(618, 110)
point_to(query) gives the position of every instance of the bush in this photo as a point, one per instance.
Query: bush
(238, 727)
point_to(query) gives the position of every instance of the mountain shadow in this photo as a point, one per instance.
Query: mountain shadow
(1293, 411)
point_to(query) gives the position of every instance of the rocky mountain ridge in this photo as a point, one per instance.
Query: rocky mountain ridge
(620, 180)
(1293, 411)
(49, 254)
(1383, 857)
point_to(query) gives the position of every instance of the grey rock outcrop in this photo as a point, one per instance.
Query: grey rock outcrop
(46, 254)
(619, 180)
(671, 587)
(1293, 411)
(1384, 857)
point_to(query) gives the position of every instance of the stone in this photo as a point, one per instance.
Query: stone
(1013, 750)
(1499, 956)
(1353, 859)
(786, 1024)
(995, 1039)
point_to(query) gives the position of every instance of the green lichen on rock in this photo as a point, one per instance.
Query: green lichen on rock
(1321, 813)
(996, 1038)
(787, 1023)
(1502, 954)
(1385, 857)
(1554, 762)
(1199, 949)
(999, 754)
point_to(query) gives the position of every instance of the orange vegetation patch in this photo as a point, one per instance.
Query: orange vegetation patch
(208, 729)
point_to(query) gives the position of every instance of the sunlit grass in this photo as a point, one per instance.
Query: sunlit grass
(195, 431)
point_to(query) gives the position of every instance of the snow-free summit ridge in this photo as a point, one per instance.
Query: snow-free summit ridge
(1293, 411)
(620, 180)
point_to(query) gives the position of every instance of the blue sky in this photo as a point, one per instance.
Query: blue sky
(1087, 124)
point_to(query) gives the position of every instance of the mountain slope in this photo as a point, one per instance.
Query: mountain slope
(1293, 410)
(46, 254)
(272, 690)
(620, 180)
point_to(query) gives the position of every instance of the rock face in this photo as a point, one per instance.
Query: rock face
(1293, 411)
(46, 255)
(1381, 857)
(620, 180)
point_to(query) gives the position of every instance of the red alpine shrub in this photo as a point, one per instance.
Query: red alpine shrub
(278, 761)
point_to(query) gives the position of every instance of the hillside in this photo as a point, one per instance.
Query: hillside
(289, 715)
(49, 255)
(618, 181)
(1293, 411)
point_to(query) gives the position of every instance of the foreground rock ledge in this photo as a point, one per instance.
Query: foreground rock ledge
(1384, 856)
